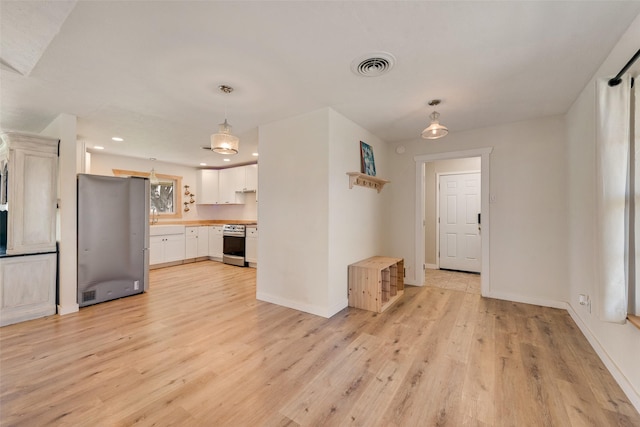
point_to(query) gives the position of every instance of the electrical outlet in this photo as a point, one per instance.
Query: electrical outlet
(136, 285)
(584, 300)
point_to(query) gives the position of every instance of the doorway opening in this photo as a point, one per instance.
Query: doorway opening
(461, 247)
(456, 215)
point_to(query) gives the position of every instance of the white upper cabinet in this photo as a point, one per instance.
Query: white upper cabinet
(231, 182)
(225, 186)
(207, 182)
(251, 178)
(30, 186)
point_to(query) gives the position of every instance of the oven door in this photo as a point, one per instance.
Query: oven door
(233, 250)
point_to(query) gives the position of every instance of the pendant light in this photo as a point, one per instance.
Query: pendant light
(435, 130)
(153, 178)
(224, 142)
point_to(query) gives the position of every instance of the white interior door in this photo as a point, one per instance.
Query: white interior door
(458, 218)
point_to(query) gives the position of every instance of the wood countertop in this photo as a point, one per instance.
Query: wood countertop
(207, 222)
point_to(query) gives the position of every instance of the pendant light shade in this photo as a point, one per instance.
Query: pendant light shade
(435, 130)
(153, 179)
(224, 142)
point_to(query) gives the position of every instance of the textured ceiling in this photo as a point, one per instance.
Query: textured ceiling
(148, 71)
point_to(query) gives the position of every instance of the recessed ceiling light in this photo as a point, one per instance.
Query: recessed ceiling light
(226, 160)
(117, 138)
(254, 154)
(98, 147)
(203, 164)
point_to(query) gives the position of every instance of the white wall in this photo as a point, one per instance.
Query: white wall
(356, 221)
(103, 164)
(311, 225)
(528, 219)
(294, 212)
(618, 345)
(64, 128)
(432, 169)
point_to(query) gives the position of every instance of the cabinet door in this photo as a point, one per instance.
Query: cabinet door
(215, 242)
(207, 183)
(191, 242)
(251, 177)
(33, 172)
(251, 245)
(203, 241)
(174, 247)
(27, 287)
(156, 250)
(228, 185)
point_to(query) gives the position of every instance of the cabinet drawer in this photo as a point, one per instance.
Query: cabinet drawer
(252, 232)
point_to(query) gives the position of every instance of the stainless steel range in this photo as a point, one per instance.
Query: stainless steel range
(233, 240)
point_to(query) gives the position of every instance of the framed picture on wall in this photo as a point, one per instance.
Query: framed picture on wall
(367, 164)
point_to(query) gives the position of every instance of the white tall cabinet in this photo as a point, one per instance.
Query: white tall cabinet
(28, 201)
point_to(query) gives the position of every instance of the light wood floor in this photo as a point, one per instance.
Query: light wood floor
(199, 350)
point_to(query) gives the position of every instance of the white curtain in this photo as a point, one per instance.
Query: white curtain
(636, 123)
(613, 119)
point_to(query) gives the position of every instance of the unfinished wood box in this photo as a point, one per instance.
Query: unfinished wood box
(376, 283)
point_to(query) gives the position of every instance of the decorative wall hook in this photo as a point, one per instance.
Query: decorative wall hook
(186, 190)
(186, 206)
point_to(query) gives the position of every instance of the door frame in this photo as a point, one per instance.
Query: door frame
(419, 227)
(438, 175)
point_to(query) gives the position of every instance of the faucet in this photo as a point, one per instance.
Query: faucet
(154, 215)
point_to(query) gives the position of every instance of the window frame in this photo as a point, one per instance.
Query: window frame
(177, 186)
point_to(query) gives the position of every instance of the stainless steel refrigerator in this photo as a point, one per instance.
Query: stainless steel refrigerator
(113, 237)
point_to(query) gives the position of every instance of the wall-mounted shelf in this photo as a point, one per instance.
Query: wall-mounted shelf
(363, 180)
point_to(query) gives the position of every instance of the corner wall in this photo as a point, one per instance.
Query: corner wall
(617, 345)
(312, 226)
(356, 216)
(64, 128)
(294, 214)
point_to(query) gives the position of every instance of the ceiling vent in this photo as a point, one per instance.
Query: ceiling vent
(373, 64)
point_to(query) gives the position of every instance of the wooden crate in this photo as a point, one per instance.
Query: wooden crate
(376, 283)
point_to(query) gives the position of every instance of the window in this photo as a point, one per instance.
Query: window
(165, 197)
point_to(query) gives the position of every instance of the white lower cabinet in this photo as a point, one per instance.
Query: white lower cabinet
(251, 246)
(27, 287)
(203, 241)
(196, 242)
(191, 242)
(166, 248)
(215, 242)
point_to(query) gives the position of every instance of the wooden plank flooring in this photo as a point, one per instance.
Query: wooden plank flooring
(199, 350)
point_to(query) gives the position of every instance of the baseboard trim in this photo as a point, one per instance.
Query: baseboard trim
(325, 312)
(617, 374)
(68, 309)
(527, 300)
(432, 266)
